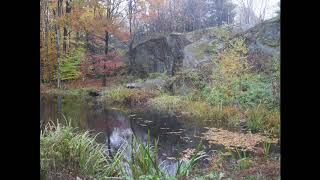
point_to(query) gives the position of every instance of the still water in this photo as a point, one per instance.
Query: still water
(118, 125)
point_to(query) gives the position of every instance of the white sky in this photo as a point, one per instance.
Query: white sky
(272, 6)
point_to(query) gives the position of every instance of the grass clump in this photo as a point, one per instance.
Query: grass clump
(67, 153)
(123, 95)
(144, 163)
(166, 103)
(118, 94)
(70, 153)
(192, 108)
(261, 119)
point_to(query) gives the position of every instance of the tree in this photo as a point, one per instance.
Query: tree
(57, 29)
(252, 13)
(66, 33)
(111, 22)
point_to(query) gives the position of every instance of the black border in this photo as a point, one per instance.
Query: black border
(20, 59)
(21, 84)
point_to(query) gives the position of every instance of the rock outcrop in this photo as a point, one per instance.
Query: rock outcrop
(190, 50)
(264, 37)
(161, 54)
(263, 42)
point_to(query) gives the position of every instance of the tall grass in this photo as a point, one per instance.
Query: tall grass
(118, 94)
(197, 109)
(166, 103)
(144, 163)
(185, 166)
(63, 150)
(66, 152)
(261, 119)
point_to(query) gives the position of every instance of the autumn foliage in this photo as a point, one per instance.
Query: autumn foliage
(101, 64)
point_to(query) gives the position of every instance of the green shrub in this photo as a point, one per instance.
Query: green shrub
(217, 95)
(70, 64)
(249, 91)
(223, 33)
(255, 89)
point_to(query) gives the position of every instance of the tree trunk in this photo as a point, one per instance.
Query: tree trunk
(58, 42)
(59, 108)
(130, 16)
(65, 28)
(104, 80)
(47, 41)
(131, 54)
(41, 38)
(65, 34)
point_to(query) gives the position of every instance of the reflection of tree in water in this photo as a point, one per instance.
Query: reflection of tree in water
(113, 124)
(115, 127)
(49, 109)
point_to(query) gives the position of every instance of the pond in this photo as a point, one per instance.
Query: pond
(117, 125)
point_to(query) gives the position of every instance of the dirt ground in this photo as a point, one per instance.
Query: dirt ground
(77, 84)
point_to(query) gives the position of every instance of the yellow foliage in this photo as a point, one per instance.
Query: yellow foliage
(233, 62)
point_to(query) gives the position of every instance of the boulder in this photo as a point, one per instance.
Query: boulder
(134, 86)
(160, 54)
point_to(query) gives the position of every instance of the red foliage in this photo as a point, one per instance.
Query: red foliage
(101, 64)
(122, 35)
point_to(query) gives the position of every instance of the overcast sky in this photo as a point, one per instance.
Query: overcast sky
(272, 6)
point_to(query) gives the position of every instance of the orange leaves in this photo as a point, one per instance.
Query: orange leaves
(101, 64)
(232, 140)
(122, 35)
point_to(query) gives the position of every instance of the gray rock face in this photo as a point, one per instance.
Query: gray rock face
(264, 38)
(190, 50)
(160, 54)
(134, 86)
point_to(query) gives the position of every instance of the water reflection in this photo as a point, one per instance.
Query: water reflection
(116, 127)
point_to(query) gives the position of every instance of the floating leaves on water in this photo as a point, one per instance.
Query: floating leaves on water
(177, 132)
(187, 153)
(185, 138)
(231, 140)
(171, 158)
